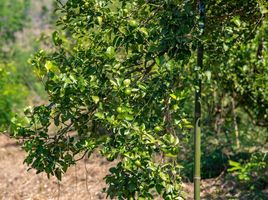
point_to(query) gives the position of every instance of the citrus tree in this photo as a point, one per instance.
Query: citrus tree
(114, 78)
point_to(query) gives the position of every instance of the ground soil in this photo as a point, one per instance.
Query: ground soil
(83, 181)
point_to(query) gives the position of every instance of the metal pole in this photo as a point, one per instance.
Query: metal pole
(197, 119)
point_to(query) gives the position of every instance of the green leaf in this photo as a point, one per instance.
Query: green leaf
(235, 166)
(159, 188)
(128, 117)
(171, 155)
(51, 67)
(56, 39)
(173, 96)
(237, 21)
(234, 163)
(57, 120)
(96, 99)
(144, 31)
(58, 174)
(100, 115)
(100, 20)
(163, 176)
(110, 52)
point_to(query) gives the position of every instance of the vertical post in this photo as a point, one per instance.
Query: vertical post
(197, 130)
(197, 117)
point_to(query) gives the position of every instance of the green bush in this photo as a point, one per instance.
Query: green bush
(13, 94)
(252, 173)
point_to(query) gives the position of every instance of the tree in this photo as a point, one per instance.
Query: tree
(120, 81)
(114, 78)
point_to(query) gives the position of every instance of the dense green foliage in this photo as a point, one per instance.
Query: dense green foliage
(235, 81)
(253, 172)
(110, 87)
(251, 175)
(11, 95)
(17, 43)
(120, 80)
(12, 90)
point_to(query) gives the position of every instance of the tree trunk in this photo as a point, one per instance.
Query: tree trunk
(235, 122)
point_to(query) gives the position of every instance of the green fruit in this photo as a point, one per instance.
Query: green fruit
(127, 91)
(138, 163)
(127, 82)
(157, 129)
(133, 23)
(119, 109)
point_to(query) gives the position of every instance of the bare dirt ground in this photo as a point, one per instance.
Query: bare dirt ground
(84, 181)
(81, 182)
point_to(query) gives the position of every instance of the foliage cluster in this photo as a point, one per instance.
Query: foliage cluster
(253, 173)
(17, 42)
(13, 16)
(12, 91)
(102, 90)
